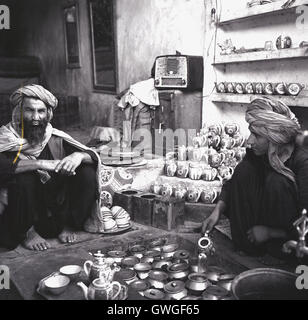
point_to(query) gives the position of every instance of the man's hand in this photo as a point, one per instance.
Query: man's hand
(68, 165)
(259, 234)
(48, 165)
(210, 222)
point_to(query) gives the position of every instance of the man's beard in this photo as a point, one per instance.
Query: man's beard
(35, 134)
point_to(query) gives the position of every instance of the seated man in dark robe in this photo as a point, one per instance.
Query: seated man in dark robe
(269, 188)
(48, 181)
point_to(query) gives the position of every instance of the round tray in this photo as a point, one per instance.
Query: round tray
(118, 230)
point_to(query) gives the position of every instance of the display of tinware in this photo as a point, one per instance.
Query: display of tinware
(114, 218)
(268, 88)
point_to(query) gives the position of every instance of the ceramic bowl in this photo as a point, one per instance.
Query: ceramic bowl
(72, 272)
(57, 284)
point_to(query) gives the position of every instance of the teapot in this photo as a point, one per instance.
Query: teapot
(100, 268)
(182, 153)
(232, 128)
(215, 160)
(227, 142)
(213, 140)
(197, 141)
(209, 173)
(225, 172)
(170, 168)
(209, 195)
(195, 171)
(182, 169)
(216, 129)
(180, 192)
(101, 290)
(193, 194)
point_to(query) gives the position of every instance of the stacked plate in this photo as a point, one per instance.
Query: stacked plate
(121, 217)
(116, 218)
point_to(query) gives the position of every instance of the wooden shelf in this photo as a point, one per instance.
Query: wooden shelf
(271, 8)
(299, 101)
(293, 53)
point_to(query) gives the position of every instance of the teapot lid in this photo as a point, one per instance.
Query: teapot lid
(140, 285)
(181, 254)
(174, 287)
(154, 294)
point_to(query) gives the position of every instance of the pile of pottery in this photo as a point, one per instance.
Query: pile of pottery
(115, 218)
(281, 88)
(215, 153)
(162, 271)
(192, 193)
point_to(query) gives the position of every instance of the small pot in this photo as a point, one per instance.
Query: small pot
(140, 286)
(178, 271)
(157, 244)
(117, 256)
(197, 283)
(214, 293)
(175, 290)
(181, 256)
(143, 270)
(213, 274)
(157, 279)
(169, 250)
(130, 262)
(154, 294)
(138, 251)
(162, 264)
(127, 275)
(225, 281)
(151, 256)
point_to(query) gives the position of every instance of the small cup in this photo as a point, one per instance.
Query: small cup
(71, 271)
(57, 284)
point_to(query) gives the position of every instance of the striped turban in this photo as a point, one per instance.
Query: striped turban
(274, 120)
(31, 91)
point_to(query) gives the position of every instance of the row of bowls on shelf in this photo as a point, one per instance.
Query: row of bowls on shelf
(281, 88)
(192, 194)
(165, 272)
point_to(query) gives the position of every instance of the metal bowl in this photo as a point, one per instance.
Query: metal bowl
(169, 250)
(143, 270)
(197, 282)
(178, 271)
(130, 262)
(267, 284)
(157, 279)
(154, 294)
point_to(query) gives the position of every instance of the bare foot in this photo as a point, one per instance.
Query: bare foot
(35, 242)
(67, 236)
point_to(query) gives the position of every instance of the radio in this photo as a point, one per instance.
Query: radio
(179, 72)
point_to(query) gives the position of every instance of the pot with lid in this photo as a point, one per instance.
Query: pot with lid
(154, 294)
(157, 279)
(178, 271)
(175, 290)
(197, 283)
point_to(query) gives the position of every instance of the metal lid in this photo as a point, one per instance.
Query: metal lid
(198, 277)
(158, 275)
(152, 254)
(116, 254)
(154, 294)
(170, 248)
(143, 267)
(157, 243)
(178, 267)
(140, 285)
(137, 249)
(126, 274)
(174, 287)
(181, 254)
(216, 291)
(226, 277)
(130, 261)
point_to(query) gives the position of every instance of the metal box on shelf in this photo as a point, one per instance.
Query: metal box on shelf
(168, 213)
(143, 208)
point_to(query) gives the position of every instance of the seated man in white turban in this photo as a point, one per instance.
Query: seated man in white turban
(48, 181)
(269, 188)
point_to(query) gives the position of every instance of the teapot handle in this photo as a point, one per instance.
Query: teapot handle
(117, 284)
(216, 195)
(87, 267)
(231, 171)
